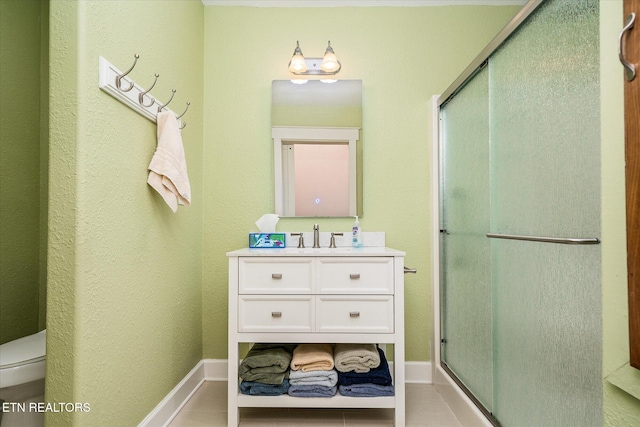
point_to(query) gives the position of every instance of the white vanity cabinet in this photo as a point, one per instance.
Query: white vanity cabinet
(340, 295)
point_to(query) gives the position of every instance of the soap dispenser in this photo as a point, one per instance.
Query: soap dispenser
(356, 238)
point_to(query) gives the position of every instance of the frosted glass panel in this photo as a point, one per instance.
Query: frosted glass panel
(521, 156)
(466, 298)
(545, 179)
(547, 334)
(545, 124)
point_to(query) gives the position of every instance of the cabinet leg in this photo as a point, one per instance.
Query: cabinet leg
(399, 380)
(233, 418)
(399, 418)
(233, 414)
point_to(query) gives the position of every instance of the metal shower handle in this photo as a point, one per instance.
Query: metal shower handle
(629, 69)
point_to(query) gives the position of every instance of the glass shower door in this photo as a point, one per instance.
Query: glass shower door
(545, 182)
(465, 253)
(520, 161)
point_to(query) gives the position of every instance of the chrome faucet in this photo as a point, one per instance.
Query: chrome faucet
(301, 240)
(316, 236)
(332, 243)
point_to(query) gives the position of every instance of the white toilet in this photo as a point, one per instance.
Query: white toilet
(22, 363)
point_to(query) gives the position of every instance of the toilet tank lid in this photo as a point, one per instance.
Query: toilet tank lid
(23, 350)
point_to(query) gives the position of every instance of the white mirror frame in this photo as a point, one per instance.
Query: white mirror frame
(327, 135)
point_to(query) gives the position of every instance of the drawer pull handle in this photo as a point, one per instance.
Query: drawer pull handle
(276, 276)
(354, 276)
(354, 314)
(276, 314)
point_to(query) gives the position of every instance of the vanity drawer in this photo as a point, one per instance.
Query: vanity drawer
(267, 313)
(364, 275)
(273, 275)
(351, 313)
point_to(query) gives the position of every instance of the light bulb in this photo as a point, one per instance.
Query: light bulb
(297, 64)
(330, 62)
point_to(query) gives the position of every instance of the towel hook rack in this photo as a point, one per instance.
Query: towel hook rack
(131, 94)
(142, 94)
(184, 125)
(184, 112)
(119, 77)
(170, 99)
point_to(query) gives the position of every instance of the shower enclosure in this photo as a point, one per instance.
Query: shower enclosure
(519, 222)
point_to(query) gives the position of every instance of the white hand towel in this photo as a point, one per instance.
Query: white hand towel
(168, 168)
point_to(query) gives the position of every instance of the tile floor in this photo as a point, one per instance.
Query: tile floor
(208, 407)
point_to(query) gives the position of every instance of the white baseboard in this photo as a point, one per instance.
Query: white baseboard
(216, 370)
(176, 399)
(418, 372)
(466, 411)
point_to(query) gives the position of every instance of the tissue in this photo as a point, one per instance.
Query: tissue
(267, 238)
(267, 223)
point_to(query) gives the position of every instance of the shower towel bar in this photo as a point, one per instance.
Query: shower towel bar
(561, 240)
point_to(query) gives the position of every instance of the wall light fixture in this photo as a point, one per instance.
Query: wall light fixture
(325, 66)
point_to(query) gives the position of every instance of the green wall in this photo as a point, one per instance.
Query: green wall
(137, 295)
(620, 407)
(124, 294)
(22, 126)
(403, 56)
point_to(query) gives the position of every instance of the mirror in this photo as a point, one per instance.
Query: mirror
(316, 131)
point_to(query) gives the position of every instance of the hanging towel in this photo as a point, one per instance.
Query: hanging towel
(168, 168)
(312, 357)
(356, 357)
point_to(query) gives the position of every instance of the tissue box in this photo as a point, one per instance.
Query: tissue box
(267, 240)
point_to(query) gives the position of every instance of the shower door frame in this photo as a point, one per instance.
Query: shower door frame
(464, 405)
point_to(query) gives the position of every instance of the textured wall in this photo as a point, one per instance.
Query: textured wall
(124, 305)
(123, 297)
(403, 56)
(20, 126)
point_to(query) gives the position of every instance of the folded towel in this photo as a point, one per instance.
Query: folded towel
(365, 390)
(168, 168)
(297, 390)
(260, 389)
(266, 363)
(380, 375)
(356, 357)
(324, 378)
(312, 357)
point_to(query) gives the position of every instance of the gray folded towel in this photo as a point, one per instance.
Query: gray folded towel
(356, 357)
(323, 378)
(261, 389)
(311, 391)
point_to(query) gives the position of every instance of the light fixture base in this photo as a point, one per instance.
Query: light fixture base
(314, 68)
